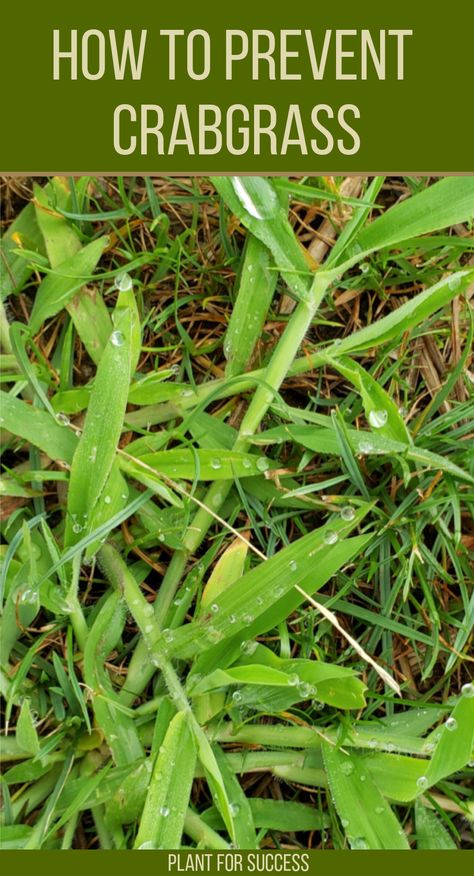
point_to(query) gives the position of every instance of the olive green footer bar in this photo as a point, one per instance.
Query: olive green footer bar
(284, 861)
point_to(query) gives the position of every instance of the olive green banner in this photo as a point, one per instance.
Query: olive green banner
(235, 88)
(235, 862)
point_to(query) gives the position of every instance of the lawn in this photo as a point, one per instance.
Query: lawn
(237, 494)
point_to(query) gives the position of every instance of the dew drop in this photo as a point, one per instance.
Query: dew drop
(123, 282)
(214, 608)
(347, 513)
(293, 680)
(451, 724)
(366, 447)
(237, 696)
(330, 537)
(107, 500)
(262, 464)
(168, 636)
(306, 690)
(358, 843)
(234, 808)
(214, 635)
(62, 419)
(378, 419)
(164, 811)
(293, 565)
(247, 463)
(76, 528)
(347, 768)
(29, 597)
(216, 464)
(344, 823)
(93, 454)
(467, 690)
(232, 619)
(117, 339)
(422, 783)
(379, 810)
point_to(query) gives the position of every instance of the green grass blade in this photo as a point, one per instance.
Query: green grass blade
(59, 287)
(367, 818)
(162, 820)
(430, 832)
(37, 427)
(95, 453)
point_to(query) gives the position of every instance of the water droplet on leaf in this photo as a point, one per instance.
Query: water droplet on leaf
(347, 513)
(378, 419)
(117, 339)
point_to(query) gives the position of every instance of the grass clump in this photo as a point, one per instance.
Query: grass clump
(237, 513)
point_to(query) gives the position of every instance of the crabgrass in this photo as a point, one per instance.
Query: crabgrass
(237, 489)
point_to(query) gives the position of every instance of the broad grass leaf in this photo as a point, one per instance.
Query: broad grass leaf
(256, 286)
(214, 778)
(61, 284)
(323, 439)
(454, 748)
(23, 233)
(26, 734)
(228, 569)
(96, 451)
(162, 821)
(112, 500)
(117, 726)
(256, 202)
(367, 818)
(37, 427)
(152, 388)
(381, 412)
(15, 836)
(91, 320)
(406, 317)
(430, 831)
(258, 590)
(447, 202)
(127, 301)
(206, 465)
(240, 809)
(60, 239)
(229, 649)
(396, 775)
(294, 681)
(282, 815)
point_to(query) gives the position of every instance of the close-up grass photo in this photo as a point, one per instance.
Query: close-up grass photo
(237, 535)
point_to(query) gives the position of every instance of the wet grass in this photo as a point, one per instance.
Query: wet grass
(237, 497)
